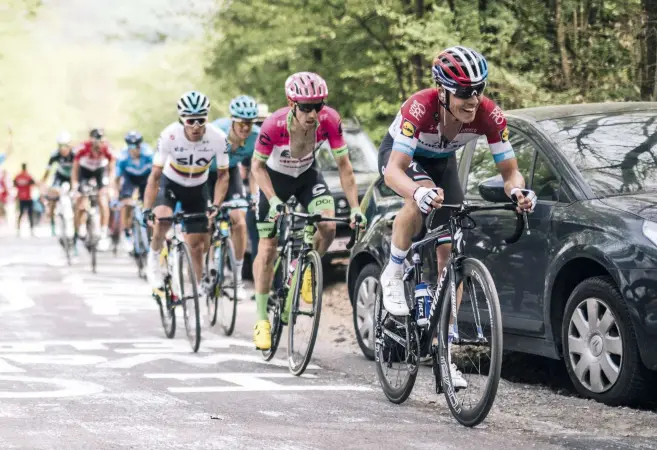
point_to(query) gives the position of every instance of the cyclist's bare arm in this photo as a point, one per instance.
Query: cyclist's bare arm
(221, 186)
(262, 179)
(152, 186)
(347, 180)
(74, 173)
(45, 175)
(511, 175)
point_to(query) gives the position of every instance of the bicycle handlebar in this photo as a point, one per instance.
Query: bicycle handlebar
(180, 216)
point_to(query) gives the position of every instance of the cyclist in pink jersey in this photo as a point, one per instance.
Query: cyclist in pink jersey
(284, 165)
(417, 160)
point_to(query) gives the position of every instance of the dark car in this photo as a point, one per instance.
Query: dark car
(582, 286)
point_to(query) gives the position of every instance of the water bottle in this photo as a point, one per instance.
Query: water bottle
(422, 299)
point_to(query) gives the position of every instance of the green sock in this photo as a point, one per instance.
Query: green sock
(261, 306)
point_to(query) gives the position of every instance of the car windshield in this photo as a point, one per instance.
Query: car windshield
(616, 153)
(362, 153)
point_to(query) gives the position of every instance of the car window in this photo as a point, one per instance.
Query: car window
(362, 153)
(482, 165)
(544, 182)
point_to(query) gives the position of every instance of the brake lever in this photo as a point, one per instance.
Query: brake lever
(355, 233)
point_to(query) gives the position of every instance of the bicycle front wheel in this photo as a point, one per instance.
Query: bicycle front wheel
(275, 307)
(305, 312)
(470, 351)
(227, 288)
(92, 242)
(189, 296)
(66, 243)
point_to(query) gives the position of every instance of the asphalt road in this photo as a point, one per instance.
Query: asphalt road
(84, 364)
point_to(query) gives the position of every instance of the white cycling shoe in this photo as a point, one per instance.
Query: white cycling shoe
(154, 272)
(457, 377)
(392, 288)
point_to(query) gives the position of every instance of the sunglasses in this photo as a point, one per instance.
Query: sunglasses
(243, 123)
(465, 93)
(310, 107)
(192, 121)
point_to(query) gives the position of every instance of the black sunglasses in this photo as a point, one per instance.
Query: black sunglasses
(467, 92)
(309, 107)
(191, 121)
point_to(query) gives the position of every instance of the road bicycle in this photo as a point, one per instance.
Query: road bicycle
(92, 213)
(140, 237)
(180, 286)
(296, 256)
(64, 219)
(220, 276)
(465, 341)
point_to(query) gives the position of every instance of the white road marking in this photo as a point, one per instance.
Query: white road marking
(14, 292)
(69, 388)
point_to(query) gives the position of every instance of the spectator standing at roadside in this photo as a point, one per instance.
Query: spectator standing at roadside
(23, 183)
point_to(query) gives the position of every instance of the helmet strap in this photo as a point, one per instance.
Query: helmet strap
(446, 104)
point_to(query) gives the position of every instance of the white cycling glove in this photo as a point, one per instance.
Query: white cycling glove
(527, 193)
(423, 197)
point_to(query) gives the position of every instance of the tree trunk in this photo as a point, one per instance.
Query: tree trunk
(561, 43)
(649, 86)
(418, 60)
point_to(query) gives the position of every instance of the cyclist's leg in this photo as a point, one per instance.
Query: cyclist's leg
(125, 195)
(78, 219)
(103, 200)
(162, 207)
(53, 194)
(237, 218)
(195, 200)
(316, 197)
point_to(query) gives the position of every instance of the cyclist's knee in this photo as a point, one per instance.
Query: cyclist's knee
(326, 230)
(267, 249)
(238, 220)
(442, 254)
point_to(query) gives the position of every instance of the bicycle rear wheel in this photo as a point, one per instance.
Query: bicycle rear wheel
(212, 280)
(227, 288)
(92, 241)
(275, 307)
(475, 345)
(167, 311)
(298, 357)
(66, 243)
(189, 296)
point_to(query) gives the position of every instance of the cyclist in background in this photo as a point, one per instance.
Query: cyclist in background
(63, 159)
(23, 183)
(133, 166)
(242, 136)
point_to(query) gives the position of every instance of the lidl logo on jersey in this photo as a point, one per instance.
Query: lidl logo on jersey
(504, 134)
(408, 129)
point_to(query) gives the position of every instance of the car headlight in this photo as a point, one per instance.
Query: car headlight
(342, 203)
(650, 231)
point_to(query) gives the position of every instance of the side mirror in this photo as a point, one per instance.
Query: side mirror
(492, 190)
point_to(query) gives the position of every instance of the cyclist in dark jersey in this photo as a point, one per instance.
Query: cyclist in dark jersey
(63, 159)
(417, 159)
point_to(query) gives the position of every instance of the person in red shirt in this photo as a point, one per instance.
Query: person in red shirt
(23, 183)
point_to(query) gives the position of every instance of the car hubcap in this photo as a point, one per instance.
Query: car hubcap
(595, 345)
(365, 310)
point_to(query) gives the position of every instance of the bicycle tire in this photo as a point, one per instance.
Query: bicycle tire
(167, 313)
(65, 240)
(91, 239)
(313, 259)
(139, 247)
(475, 416)
(275, 307)
(400, 394)
(193, 330)
(228, 257)
(211, 301)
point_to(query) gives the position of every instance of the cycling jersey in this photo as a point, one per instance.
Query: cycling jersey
(241, 154)
(187, 163)
(24, 182)
(415, 129)
(64, 163)
(127, 165)
(90, 160)
(273, 144)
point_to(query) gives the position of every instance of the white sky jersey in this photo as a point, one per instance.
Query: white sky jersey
(187, 163)
(415, 129)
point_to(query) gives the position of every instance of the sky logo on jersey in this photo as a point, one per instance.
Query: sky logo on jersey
(504, 134)
(408, 129)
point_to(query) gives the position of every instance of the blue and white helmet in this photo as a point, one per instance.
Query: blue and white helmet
(193, 103)
(243, 107)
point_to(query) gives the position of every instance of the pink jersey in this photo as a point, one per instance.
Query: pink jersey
(273, 144)
(416, 132)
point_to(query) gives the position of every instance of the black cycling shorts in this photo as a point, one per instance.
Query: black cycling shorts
(192, 199)
(60, 179)
(443, 172)
(235, 185)
(85, 175)
(130, 183)
(309, 188)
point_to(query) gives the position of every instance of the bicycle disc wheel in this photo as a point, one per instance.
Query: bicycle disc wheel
(275, 308)
(211, 281)
(479, 324)
(298, 357)
(189, 297)
(227, 298)
(390, 348)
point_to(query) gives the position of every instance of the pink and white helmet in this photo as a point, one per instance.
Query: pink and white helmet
(305, 86)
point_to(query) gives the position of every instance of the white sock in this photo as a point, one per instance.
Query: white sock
(396, 263)
(238, 267)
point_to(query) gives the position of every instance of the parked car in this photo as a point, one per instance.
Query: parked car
(364, 159)
(582, 287)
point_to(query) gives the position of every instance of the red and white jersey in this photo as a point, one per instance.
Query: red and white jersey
(91, 160)
(415, 130)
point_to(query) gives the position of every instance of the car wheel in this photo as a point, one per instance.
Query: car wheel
(366, 289)
(600, 345)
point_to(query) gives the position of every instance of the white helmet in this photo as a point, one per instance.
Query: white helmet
(193, 103)
(64, 138)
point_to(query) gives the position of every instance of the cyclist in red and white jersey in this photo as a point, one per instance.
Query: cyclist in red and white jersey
(91, 159)
(283, 165)
(417, 159)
